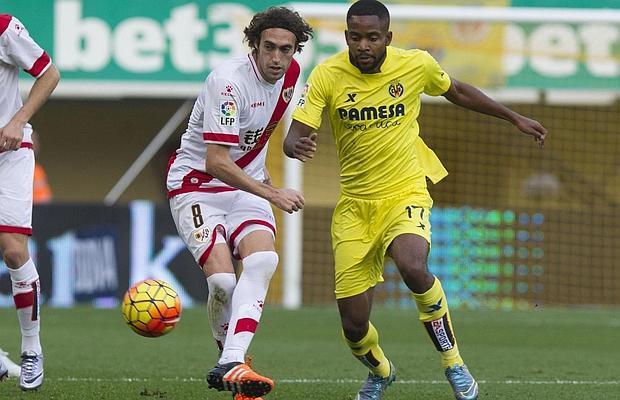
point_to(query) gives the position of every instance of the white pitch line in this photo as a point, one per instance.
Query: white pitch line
(346, 381)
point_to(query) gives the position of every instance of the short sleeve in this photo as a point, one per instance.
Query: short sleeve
(221, 99)
(20, 50)
(313, 99)
(437, 80)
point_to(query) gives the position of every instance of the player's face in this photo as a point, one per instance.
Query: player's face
(275, 53)
(367, 37)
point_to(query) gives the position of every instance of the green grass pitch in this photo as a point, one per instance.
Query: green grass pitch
(538, 354)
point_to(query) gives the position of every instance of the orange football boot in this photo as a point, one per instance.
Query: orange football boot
(239, 396)
(242, 380)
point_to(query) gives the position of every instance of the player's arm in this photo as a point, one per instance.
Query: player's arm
(220, 165)
(267, 179)
(300, 141)
(11, 134)
(467, 96)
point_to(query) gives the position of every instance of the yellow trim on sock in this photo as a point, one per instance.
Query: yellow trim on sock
(451, 357)
(370, 343)
(432, 304)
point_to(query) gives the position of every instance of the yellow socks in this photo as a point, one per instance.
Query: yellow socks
(434, 314)
(369, 353)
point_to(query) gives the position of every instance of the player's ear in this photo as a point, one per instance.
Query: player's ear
(388, 38)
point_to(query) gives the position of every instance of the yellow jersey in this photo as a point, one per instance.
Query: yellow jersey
(373, 119)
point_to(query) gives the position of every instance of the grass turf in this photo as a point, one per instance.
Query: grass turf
(540, 354)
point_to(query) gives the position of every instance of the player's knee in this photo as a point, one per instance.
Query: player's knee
(354, 331)
(418, 279)
(15, 256)
(354, 326)
(221, 287)
(260, 265)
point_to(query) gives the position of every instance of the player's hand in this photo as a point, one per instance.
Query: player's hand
(11, 136)
(534, 128)
(288, 200)
(305, 147)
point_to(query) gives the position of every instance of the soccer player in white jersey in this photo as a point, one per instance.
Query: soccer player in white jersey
(220, 192)
(18, 50)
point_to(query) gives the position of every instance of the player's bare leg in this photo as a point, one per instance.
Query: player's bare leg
(363, 340)
(410, 253)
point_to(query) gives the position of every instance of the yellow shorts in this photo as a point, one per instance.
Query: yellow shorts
(363, 229)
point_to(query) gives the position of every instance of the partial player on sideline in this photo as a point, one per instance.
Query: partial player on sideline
(18, 50)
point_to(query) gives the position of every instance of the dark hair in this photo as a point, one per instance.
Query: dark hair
(369, 7)
(278, 17)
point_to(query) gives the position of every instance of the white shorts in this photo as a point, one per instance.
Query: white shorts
(204, 219)
(16, 174)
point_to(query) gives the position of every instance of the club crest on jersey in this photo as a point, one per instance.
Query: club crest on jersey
(287, 94)
(396, 89)
(228, 111)
(201, 235)
(18, 28)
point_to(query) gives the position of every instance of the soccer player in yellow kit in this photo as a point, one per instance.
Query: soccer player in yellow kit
(372, 94)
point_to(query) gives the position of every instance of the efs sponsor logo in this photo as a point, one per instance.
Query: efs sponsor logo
(441, 334)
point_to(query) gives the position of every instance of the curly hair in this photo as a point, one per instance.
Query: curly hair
(278, 17)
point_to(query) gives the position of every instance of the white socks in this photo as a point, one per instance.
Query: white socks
(247, 304)
(26, 294)
(219, 304)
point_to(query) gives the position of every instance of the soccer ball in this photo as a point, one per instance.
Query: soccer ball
(151, 308)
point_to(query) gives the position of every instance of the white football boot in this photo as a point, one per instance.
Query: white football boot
(32, 371)
(4, 371)
(6, 363)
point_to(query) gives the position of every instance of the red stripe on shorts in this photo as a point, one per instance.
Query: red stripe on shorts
(15, 229)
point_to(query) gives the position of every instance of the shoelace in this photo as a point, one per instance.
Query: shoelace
(373, 384)
(460, 377)
(29, 364)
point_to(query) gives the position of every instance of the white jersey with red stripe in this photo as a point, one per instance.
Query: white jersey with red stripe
(237, 108)
(17, 50)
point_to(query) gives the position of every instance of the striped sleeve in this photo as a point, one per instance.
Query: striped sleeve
(20, 49)
(221, 111)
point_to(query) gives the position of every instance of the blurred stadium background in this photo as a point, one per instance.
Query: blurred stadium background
(514, 227)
